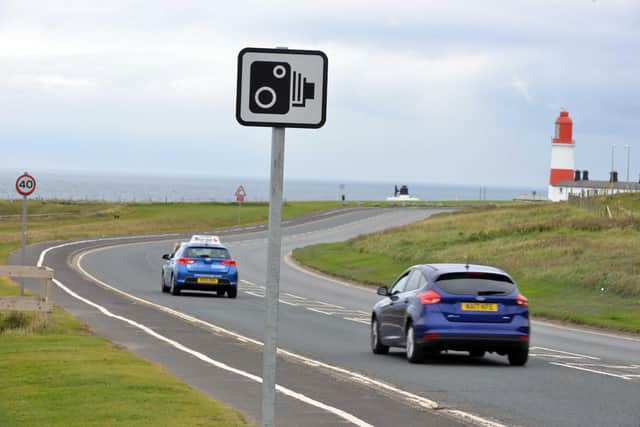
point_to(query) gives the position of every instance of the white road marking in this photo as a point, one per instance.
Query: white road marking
(321, 307)
(567, 353)
(294, 296)
(318, 311)
(346, 374)
(595, 371)
(555, 356)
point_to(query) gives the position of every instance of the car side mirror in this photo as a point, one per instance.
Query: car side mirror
(166, 256)
(383, 291)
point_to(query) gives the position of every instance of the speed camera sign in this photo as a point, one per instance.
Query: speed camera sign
(281, 88)
(25, 184)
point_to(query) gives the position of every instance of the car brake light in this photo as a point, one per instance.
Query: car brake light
(229, 262)
(429, 297)
(186, 261)
(522, 301)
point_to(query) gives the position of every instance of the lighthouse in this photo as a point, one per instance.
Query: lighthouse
(562, 156)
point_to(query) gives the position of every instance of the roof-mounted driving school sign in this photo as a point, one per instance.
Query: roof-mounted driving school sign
(281, 88)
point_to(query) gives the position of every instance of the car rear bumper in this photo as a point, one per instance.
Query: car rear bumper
(191, 283)
(464, 342)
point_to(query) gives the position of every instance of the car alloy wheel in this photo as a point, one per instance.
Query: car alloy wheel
(414, 355)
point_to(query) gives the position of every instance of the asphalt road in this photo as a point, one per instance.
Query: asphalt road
(574, 377)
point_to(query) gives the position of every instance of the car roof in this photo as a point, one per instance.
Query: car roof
(435, 270)
(203, 245)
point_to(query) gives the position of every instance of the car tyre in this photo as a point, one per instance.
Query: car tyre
(518, 357)
(165, 289)
(414, 352)
(477, 353)
(175, 290)
(232, 293)
(376, 346)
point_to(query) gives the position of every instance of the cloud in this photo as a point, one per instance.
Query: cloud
(443, 82)
(522, 87)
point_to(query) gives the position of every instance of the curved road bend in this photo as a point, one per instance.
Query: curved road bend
(574, 377)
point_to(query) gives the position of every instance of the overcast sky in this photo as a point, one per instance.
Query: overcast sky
(461, 92)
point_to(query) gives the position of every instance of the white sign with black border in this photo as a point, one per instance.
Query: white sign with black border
(281, 88)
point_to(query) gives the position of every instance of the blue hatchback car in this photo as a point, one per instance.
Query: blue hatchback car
(436, 307)
(203, 264)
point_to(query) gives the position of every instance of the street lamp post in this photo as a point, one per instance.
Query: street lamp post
(628, 147)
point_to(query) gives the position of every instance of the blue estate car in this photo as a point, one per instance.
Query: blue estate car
(202, 264)
(436, 307)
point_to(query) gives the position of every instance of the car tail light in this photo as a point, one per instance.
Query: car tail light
(229, 262)
(522, 301)
(430, 336)
(524, 338)
(186, 261)
(429, 297)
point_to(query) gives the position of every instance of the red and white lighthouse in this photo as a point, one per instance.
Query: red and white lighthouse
(562, 156)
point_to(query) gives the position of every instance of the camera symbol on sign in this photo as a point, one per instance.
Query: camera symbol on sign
(274, 88)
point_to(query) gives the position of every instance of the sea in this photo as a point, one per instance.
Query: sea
(129, 187)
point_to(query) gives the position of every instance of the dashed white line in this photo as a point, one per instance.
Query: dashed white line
(567, 353)
(595, 371)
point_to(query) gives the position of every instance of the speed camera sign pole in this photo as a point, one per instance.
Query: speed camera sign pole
(278, 88)
(274, 245)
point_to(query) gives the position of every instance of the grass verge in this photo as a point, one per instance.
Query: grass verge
(573, 260)
(58, 374)
(60, 220)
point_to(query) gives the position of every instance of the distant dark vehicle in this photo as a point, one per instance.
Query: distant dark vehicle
(202, 264)
(436, 307)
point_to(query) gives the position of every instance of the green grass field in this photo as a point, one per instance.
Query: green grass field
(67, 220)
(572, 260)
(58, 374)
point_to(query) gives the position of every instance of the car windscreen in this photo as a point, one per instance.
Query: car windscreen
(206, 252)
(471, 283)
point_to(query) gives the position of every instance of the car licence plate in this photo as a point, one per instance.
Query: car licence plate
(208, 280)
(479, 306)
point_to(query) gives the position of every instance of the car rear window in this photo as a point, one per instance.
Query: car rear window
(475, 283)
(205, 252)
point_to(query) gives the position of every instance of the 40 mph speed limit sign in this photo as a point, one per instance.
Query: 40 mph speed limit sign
(25, 184)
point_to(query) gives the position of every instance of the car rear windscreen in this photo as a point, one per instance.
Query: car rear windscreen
(475, 283)
(204, 252)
